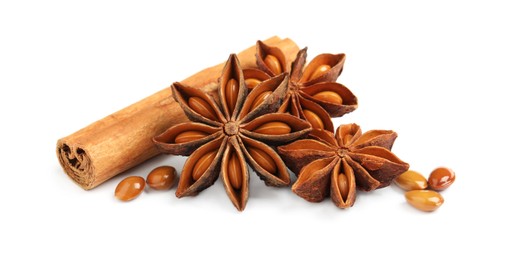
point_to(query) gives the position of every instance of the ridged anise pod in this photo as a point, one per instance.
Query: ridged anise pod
(313, 94)
(226, 135)
(337, 165)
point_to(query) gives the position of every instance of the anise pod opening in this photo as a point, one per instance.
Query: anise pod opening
(254, 77)
(276, 128)
(235, 175)
(201, 169)
(300, 153)
(334, 97)
(266, 162)
(232, 91)
(184, 138)
(315, 115)
(264, 98)
(197, 105)
(314, 182)
(383, 138)
(343, 185)
(347, 134)
(270, 59)
(323, 68)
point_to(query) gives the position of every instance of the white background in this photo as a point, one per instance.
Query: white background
(440, 73)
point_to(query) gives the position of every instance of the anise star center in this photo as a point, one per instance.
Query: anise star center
(231, 128)
(342, 152)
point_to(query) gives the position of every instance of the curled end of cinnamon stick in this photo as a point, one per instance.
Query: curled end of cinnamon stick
(77, 164)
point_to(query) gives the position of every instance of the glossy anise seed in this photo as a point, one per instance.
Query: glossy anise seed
(273, 128)
(130, 188)
(161, 178)
(202, 107)
(441, 178)
(251, 83)
(260, 99)
(188, 136)
(425, 200)
(321, 70)
(343, 186)
(263, 159)
(235, 174)
(411, 180)
(273, 64)
(231, 91)
(313, 119)
(203, 163)
(329, 96)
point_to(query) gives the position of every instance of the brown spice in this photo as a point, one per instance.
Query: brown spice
(130, 188)
(337, 165)
(161, 178)
(228, 132)
(313, 94)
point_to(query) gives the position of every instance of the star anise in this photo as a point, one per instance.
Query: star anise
(225, 135)
(313, 94)
(337, 165)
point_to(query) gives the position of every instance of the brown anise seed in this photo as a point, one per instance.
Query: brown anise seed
(203, 163)
(411, 180)
(188, 136)
(273, 128)
(425, 200)
(263, 159)
(231, 91)
(234, 172)
(202, 107)
(260, 99)
(329, 96)
(321, 70)
(130, 188)
(161, 178)
(313, 119)
(273, 64)
(343, 186)
(252, 83)
(441, 178)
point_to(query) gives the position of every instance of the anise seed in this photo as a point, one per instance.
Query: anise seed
(203, 163)
(202, 107)
(252, 83)
(260, 99)
(273, 128)
(263, 159)
(161, 178)
(329, 96)
(425, 200)
(313, 119)
(130, 188)
(189, 136)
(343, 186)
(411, 180)
(273, 64)
(234, 171)
(321, 70)
(441, 178)
(231, 91)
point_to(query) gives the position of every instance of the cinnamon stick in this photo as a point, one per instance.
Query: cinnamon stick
(123, 139)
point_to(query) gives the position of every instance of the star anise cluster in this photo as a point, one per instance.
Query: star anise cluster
(313, 94)
(231, 133)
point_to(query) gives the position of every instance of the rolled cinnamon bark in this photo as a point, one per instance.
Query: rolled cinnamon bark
(123, 139)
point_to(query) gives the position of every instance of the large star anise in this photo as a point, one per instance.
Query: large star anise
(225, 135)
(339, 164)
(313, 94)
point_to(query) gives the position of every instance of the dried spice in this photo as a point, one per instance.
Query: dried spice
(337, 165)
(226, 135)
(313, 94)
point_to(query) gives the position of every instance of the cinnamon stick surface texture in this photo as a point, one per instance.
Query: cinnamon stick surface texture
(123, 139)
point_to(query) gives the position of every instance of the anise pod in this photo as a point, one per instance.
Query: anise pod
(338, 165)
(313, 94)
(229, 134)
